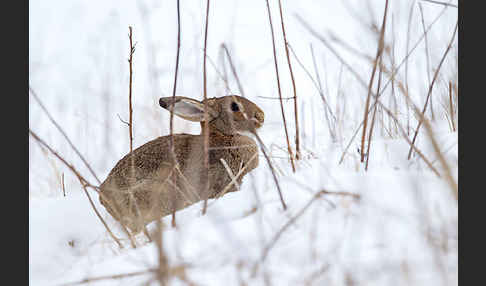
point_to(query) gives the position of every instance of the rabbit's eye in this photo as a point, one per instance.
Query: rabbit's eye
(235, 107)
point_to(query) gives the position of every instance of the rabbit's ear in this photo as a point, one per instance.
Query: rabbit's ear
(187, 108)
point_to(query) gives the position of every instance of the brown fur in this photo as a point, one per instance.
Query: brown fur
(147, 184)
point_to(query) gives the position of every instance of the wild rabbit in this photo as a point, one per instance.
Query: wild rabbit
(148, 183)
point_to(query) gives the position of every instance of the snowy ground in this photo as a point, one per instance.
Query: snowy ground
(402, 231)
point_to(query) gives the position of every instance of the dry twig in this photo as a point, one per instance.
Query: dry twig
(362, 82)
(272, 169)
(63, 134)
(233, 70)
(84, 183)
(430, 89)
(130, 109)
(451, 107)
(381, 44)
(279, 233)
(174, 88)
(206, 119)
(279, 90)
(373, 118)
(297, 143)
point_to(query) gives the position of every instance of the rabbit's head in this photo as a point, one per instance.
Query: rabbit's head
(228, 114)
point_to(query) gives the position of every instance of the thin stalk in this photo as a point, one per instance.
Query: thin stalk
(297, 143)
(373, 119)
(206, 118)
(174, 88)
(130, 109)
(279, 90)
(431, 87)
(233, 69)
(367, 104)
(427, 60)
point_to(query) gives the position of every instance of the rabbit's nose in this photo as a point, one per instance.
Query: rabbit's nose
(260, 116)
(162, 102)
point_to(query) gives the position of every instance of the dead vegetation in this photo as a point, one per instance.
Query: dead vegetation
(395, 118)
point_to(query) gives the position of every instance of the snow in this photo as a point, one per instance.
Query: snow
(402, 230)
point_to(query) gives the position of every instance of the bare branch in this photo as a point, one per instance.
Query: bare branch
(130, 109)
(297, 143)
(277, 236)
(441, 3)
(84, 183)
(206, 119)
(233, 70)
(63, 134)
(381, 44)
(431, 87)
(279, 90)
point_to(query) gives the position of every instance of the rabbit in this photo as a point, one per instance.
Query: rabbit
(150, 183)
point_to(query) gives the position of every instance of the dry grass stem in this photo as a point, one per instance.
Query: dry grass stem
(327, 108)
(370, 133)
(206, 118)
(174, 88)
(427, 60)
(317, 85)
(279, 233)
(441, 3)
(448, 173)
(232, 176)
(63, 133)
(272, 169)
(233, 70)
(178, 271)
(110, 277)
(297, 140)
(406, 63)
(162, 272)
(84, 183)
(429, 94)
(291, 155)
(392, 76)
(381, 44)
(451, 107)
(130, 109)
(62, 184)
(362, 82)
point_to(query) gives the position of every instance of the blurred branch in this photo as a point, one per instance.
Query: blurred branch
(429, 94)
(272, 169)
(233, 70)
(178, 271)
(392, 76)
(370, 134)
(63, 134)
(427, 58)
(363, 83)
(381, 44)
(277, 236)
(317, 85)
(84, 183)
(174, 88)
(441, 3)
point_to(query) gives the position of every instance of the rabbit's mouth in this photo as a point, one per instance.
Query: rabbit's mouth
(257, 123)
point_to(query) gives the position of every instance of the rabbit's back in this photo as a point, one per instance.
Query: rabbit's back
(139, 184)
(148, 159)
